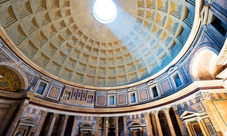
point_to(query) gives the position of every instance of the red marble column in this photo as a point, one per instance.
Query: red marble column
(64, 125)
(116, 126)
(74, 126)
(17, 119)
(125, 126)
(52, 124)
(7, 117)
(41, 121)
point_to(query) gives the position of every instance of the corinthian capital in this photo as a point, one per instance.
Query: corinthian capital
(205, 96)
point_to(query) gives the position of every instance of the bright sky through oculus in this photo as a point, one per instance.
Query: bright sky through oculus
(104, 11)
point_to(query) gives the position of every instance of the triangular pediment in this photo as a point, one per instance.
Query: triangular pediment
(132, 89)
(27, 120)
(171, 70)
(188, 114)
(111, 92)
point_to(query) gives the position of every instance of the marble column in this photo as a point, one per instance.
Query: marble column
(52, 124)
(188, 128)
(201, 127)
(169, 121)
(7, 117)
(41, 121)
(29, 131)
(16, 119)
(125, 125)
(116, 126)
(74, 126)
(106, 126)
(154, 124)
(97, 126)
(204, 126)
(180, 124)
(148, 124)
(158, 123)
(64, 125)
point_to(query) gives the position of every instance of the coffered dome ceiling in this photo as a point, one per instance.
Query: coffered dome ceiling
(63, 38)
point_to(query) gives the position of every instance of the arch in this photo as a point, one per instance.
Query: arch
(203, 64)
(136, 129)
(85, 129)
(21, 75)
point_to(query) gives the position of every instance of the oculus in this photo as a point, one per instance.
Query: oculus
(104, 11)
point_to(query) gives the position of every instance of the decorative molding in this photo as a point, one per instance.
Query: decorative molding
(205, 96)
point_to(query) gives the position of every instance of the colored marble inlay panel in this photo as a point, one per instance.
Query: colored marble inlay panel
(221, 107)
(54, 92)
(101, 100)
(2, 113)
(165, 86)
(143, 94)
(122, 98)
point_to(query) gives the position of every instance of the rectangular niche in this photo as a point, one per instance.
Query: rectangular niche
(41, 87)
(154, 91)
(132, 97)
(111, 100)
(177, 80)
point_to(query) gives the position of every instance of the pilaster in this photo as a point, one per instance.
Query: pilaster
(14, 124)
(180, 124)
(40, 125)
(73, 133)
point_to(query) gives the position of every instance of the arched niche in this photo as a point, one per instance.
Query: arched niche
(203, 64)
(136, 129)
(85, 130)
(13, 79)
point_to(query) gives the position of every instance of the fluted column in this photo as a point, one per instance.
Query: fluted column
(148, 124)
(154, 124)
(180, 124)
(64, 125)
(170, 124)
(17, 118)
(52, 124)
(74, 126)
(158, 123)
(201, 127)
(125, 125)
(42, 119)
(106, 126)
(7, 117)
(29, 131)
(116, 126)
(97, 126)
(204, 126)
(188, 128)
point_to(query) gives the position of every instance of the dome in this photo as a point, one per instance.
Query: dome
(151, 68)
(63, 39)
